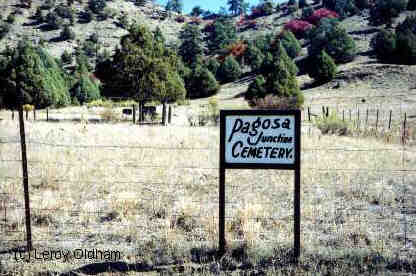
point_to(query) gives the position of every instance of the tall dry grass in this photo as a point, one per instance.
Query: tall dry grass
(152, 192)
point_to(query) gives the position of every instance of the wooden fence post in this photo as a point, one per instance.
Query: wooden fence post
(366, 118)
(350, 114)
(47, 114)
(134, 114)
(323, 111)
(404, 129)
(170, 115)
(12, 114)
(390, 119)
(377, 119)
(164, 117)
(24, 168)
(27, 115)
(358, 118)
(343, 116)
(34, 114)
(309, 114)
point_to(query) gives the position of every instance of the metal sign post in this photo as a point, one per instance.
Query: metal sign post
(260, 139)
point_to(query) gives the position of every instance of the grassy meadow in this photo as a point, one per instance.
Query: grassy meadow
(152, 194)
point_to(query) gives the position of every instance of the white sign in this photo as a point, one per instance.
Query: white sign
(262, 139)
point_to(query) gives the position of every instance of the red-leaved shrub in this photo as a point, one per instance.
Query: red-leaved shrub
(321, 13)
(298, 27)
(180, 19)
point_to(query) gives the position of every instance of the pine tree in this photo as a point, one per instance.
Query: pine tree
(236, 6)
(254, 57)
(145, 69)
(174, 5)
(324, 68)
(290, 43)
(279, 73)
(191, 47)
(223, 34)
(201, 83)
(229, 70)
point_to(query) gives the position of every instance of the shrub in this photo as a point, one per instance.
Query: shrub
(385, 10)
(384, 44)
(254, 57)
(317, 15)
(302, 4)
(11, 18)
(97, 6)
(290, 43)
(28, 107)
(411, 5)
(48, 4)
(180, 19)
(332, 125)
(307, 12)
(54, 21)
(334, 39)
(4, 30)
(323, 69)
(255, 90)
(229, 70)
(362, 4)
(298, 27)
(67, 33)
(66, 57)
(274, 102)
(86, 89)
(124, 22)
(406, 40)
(213, 65)
(86, 16)
(89, 48)
(341, 7)
(64, 12)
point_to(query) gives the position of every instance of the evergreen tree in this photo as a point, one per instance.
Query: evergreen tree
(385, 11)
(66, 57)
(254, 57)
(174, 5)
(291, 44)
(279, 78)
(97, 6)
(406, 40)
(384, 45)
(213, 65)
(236, 6)
(334, 39)
(41, 79)
(145, 69)
(229, 70)
(191, 47)
(197, 11)
(201, 83)
(67, 33)
(223, 34)
(324, 68)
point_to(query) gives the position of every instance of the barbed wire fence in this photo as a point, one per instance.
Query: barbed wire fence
(127, 197)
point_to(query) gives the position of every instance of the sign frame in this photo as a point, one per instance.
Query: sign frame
(295, 167)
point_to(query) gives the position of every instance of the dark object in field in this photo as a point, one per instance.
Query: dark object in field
(127, 111)
(149, 110)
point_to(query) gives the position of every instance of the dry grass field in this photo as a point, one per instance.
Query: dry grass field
(151, 193)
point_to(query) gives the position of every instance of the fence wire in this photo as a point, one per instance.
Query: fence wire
(139, 194)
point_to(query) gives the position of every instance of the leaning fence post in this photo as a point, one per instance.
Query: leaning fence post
(390, 119)
(327, 111)
(323, 111)
(24, 169)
